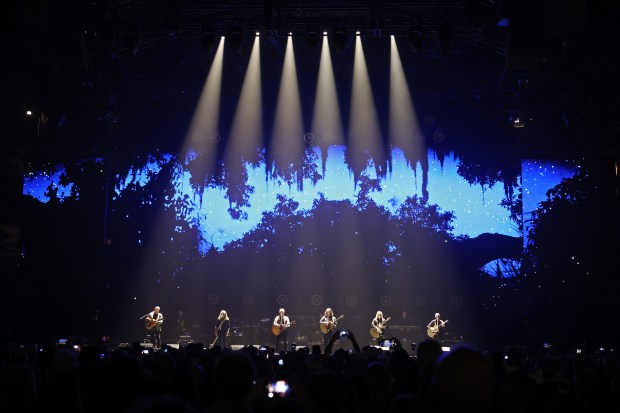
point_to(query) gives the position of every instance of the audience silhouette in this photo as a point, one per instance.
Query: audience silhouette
(195, 379)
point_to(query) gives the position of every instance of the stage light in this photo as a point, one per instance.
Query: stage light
(364, 137)
(439, 136)
(245, 134)
(28, 113)
(257, 34)
(312, 38)
(339, 39)
(208, 40)
(234, 39)
(215, 138)
(327, 121)
(357, 33)
(415, 40)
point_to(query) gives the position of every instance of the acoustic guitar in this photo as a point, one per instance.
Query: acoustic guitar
(277, 329)
(376, 331)
(150, 323)
(327, 327)
(433, 331)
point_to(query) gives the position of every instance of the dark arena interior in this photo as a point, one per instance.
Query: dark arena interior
(403, 157)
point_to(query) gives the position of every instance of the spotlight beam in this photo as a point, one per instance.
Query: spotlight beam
(202, 136)
(246, 133)
(404, 127)
(364, 138)
(326, 123)
(287, 149)
(200, 154)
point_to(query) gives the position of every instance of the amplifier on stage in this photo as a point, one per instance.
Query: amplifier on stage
(185, 340)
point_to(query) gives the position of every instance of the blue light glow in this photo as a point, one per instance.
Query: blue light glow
(140, 176)
(476, 211)
(476, 208)
(41, 184)
(502, 268)
(539, 176)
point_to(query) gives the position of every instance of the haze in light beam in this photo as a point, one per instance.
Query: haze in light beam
(364, 148)
(327, 123)
(327, 131)
(364, 141)
(246, 134)
(200, 147)
(288, 144)
(404, 128)
(203, 133)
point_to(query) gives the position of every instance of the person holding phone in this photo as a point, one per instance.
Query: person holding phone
(340, 334)
(280, 324)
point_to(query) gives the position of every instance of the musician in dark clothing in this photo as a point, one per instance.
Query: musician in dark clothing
(181, 324)
(378, 326)
(154, 320)
(222, 329)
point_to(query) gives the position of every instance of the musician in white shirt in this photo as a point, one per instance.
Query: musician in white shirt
(282, 323)
(156, 319)
(434, 327)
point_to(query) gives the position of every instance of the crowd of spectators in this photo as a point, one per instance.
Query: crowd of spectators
(195, 379)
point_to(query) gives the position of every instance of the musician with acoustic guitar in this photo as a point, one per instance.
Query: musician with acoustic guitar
(377, 325)
(327, 324)
(280, 324)
(433, 329)
(153, 323)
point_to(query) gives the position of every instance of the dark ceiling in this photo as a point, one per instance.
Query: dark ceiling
(81, 65)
